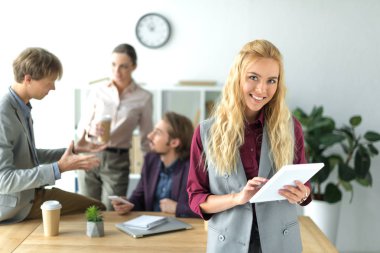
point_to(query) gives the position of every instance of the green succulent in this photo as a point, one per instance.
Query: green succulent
(94, 214)
(340, 148)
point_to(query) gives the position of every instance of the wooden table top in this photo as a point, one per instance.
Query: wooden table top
(28, 236)
(313, 239)
(13, 234)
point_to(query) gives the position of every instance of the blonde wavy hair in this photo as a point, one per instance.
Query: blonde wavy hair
(227, 130)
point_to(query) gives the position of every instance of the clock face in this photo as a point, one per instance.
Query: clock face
(153, 30)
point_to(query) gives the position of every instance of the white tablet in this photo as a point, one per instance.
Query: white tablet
(285, 176)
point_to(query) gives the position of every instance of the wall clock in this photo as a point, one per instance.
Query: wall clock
(153, 30)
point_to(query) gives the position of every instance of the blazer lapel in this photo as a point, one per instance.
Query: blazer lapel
(176, 180)
(24, 124)
(265, 167)
(153, 179)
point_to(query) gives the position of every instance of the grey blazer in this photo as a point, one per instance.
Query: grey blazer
(230, 230)
(19, 173)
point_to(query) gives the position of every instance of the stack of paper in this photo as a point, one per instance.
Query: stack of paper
(145, 222)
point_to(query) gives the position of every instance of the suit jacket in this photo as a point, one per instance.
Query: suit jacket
(143, 195)
(19, 173)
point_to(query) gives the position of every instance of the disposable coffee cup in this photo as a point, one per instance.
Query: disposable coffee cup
(105, 123)
(51, 211)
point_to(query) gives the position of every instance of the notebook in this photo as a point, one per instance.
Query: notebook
(285, 176)
(146, 222)
(171, 225)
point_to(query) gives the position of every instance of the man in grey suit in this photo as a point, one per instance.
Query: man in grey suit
(24, 169)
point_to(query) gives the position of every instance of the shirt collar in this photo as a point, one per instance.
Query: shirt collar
(259, 121)
(25, 108)
(130, 88)
(169, 169)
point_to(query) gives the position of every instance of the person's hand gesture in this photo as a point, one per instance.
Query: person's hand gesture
(70, 161)
(168, 205)
(250, 189)
(122, 207)
(84, 145)
(295, 194)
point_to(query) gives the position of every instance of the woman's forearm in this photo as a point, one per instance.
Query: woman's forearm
(219, 203)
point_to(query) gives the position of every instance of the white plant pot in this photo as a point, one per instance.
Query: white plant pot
(95, 229)
(326, 216)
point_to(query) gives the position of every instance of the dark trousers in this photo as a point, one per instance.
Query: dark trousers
(254, 243)
(110, 178)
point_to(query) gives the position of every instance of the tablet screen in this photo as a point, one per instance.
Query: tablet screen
(285, 176)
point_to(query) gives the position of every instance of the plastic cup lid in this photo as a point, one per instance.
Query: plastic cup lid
(51, 205)
(106, 118)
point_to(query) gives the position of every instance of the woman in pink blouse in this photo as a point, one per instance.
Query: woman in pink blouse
(129, 106)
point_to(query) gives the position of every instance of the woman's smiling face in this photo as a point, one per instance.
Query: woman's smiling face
(259, 84)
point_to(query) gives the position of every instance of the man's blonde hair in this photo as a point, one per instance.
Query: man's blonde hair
(38, 63)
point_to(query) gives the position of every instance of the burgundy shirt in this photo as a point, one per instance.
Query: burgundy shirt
(198, 186)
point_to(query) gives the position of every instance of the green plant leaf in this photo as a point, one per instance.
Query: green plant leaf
(322, 124)
(362, 162)
(300, 114)
(346, 173)
(366, 181)
(355, 120)
(345, 148)
(347, 131)
(321, 176)
(331, 139)
(373, 149)
(316, 112)
(93, 214)
(324, 173)
(312, 145)
(334, 160)
(348, 187)
(332, 193)
(372, 136)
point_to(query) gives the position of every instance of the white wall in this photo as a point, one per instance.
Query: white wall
(331, 51)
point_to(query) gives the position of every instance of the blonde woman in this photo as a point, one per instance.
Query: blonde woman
(250, 136)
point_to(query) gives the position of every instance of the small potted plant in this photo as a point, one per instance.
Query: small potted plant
(95, 226)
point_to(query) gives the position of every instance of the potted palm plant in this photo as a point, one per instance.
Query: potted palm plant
(95, 226)
(341, 149)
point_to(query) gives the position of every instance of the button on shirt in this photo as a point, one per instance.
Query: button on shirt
(251, 149)
(164, 185)
(129, 110)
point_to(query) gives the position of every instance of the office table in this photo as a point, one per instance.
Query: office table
(12, 235)
(28, 236)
